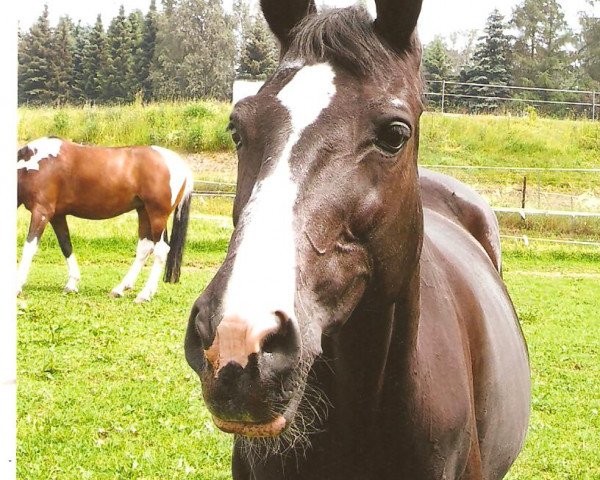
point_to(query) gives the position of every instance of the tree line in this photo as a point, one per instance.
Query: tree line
(194, 49)
(187, 49)
(534, 48)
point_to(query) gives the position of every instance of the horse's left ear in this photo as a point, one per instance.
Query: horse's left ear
(396, 20)
(283, 15)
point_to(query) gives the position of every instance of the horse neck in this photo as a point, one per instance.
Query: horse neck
(369, 360)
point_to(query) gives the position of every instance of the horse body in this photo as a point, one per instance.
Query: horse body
(358, 327)
(57, 178)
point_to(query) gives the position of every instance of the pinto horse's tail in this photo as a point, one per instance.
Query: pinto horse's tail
(178, 234)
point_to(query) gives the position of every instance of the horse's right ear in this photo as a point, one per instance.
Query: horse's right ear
(397, 20)
(283, 15)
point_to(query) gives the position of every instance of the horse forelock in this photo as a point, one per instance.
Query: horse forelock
(346, 37)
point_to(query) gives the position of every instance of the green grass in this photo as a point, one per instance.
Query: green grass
(445, 139)
(557, 292)
(509, 141)
(104, 391)
(186, 127)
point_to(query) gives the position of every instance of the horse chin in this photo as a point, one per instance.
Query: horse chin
(253, 430)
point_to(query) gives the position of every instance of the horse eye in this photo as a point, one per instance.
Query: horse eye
(235, 136)
(392, 137)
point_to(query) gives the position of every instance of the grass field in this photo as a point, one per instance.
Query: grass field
(104, 391)
(194, 127)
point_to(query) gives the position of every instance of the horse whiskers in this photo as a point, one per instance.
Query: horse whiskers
(311, 413)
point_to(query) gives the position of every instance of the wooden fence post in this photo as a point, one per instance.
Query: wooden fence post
(443, 95)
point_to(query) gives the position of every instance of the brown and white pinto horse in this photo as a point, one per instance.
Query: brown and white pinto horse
(57, 178)
(359, 327)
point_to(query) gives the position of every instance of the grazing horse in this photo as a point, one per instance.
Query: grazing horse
(359, 327)
(57, 178)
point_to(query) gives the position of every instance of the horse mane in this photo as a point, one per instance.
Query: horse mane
(346, 37)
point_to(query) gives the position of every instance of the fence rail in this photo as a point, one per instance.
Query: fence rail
(227, 190)
(466, 96)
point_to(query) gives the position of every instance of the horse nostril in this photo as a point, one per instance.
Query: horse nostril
(205, 330)
(283, 345)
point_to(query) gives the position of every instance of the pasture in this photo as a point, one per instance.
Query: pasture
(104, 391)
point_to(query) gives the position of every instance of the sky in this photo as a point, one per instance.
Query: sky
(438, 17)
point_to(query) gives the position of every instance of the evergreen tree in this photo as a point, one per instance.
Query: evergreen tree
(491, 63)
(80, 40)
(94, 62)
(259, 51)
(62, 68)
(119, 64)
(145, 57)
(135, 22)
(436, 64)
(36, 63)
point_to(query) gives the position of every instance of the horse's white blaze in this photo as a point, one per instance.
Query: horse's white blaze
(263, 277)
(29, 250)
(179, 173)
(42, 149)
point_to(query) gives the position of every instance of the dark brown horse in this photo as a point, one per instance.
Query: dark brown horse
(358, 328)
(57, 178)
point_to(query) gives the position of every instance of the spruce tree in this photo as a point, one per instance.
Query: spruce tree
(491, 63)
(259, 51)
(36, 63)
(135, 22)
(119, 64)
(81, 41)
(94, 62)
(436, 64)
(145, 57)
(62, 68)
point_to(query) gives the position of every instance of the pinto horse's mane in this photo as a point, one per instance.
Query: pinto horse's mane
(345, 37)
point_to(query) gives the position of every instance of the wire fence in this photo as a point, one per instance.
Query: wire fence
(450, 96)
(530, 211)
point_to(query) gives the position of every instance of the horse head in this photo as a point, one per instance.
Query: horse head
(327, 213)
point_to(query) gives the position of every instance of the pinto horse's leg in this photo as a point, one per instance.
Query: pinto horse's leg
(39, 220)
(61, 229)
(144, 249)
(161, 250)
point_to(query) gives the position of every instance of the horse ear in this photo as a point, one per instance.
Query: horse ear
(283, 15)
(396, 20)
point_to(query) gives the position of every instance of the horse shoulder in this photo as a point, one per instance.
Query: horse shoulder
(39, 167)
